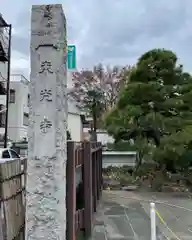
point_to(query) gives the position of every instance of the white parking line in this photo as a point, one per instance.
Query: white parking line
(165, 203)
(104, 225)
(151, 200)
(147, 212)
(128, 220)
(115, 215)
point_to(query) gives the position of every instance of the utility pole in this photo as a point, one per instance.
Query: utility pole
(5, 57)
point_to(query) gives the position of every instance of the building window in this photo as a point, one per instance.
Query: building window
(2, 88)
(28, 100)
(12, 96)
(2, 116)
(25, 119)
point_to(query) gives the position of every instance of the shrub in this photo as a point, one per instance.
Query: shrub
(121, 146)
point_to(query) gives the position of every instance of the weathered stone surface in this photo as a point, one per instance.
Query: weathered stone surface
(46, 183)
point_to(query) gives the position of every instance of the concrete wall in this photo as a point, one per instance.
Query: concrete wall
(115, 158)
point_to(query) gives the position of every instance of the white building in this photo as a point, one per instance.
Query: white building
(18, 114)
(75, 124)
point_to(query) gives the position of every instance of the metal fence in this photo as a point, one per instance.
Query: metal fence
(83, 188)
(170, 217)
(83, 196)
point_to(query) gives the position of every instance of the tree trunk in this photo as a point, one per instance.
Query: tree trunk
(94, 131)
(93, 136)
(139, 161)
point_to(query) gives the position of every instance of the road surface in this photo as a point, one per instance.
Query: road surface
(120, 217)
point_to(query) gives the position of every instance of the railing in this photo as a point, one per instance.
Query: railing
(84, 185)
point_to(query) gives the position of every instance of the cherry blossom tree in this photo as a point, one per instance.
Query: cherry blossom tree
(96, 90)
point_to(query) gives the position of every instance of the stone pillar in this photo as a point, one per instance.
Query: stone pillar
(46, 173)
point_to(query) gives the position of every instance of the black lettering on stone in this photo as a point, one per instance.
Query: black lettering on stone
(42, 33)
(46, 67)
(45, 125)
(48, 16)
(46, 95)
(48, 12)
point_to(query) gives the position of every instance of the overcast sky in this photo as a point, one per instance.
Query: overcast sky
(114, 32)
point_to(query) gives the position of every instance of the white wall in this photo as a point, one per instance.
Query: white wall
(16, 129)
(74, 121)
(69, 80)
(75, 126)
(102, 136)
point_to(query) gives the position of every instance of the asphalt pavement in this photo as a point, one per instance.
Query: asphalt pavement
(125, 215)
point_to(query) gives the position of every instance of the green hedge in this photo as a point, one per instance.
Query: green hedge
(120, 146)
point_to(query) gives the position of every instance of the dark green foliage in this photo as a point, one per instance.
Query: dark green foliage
(155, 109)
(121, 146)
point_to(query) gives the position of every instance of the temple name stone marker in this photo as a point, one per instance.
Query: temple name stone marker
(46, 173)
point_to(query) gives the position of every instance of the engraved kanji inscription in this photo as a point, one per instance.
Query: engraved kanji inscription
(45, 125)
(48, 12)
(46, 95)
(47, 15)
(43, 33)
(46, 67)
